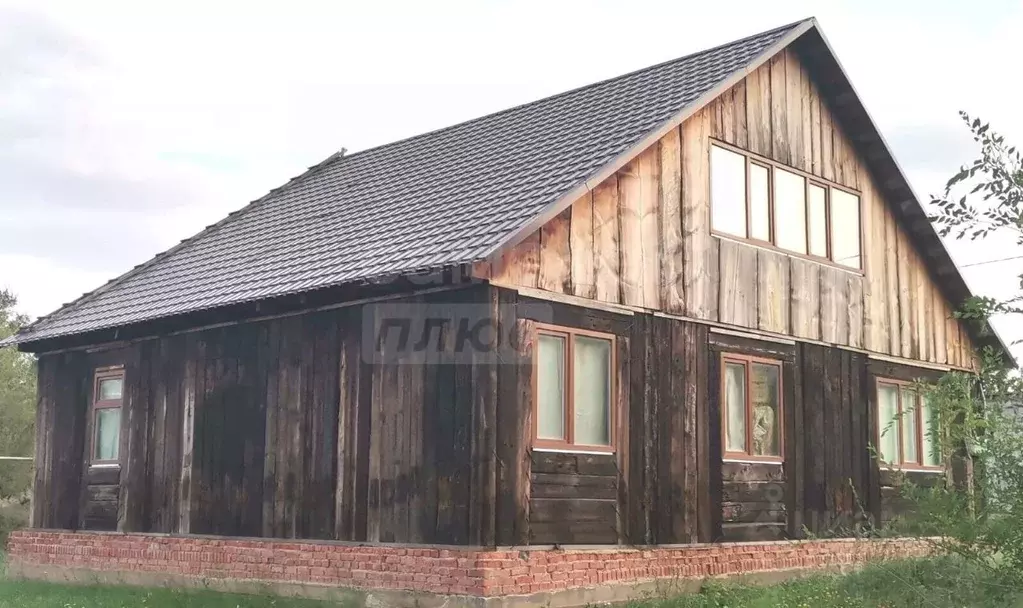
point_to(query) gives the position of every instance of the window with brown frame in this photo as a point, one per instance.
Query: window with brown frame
(907, 426)
(751, 408)
(782, 207)
(108, 396)
(573, 383)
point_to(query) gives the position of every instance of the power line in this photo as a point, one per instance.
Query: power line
(1015, 257)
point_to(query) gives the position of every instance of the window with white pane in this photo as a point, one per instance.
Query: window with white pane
(573, 390)
(751, 407)
(908, 429)
(108, 397)
(757, 199)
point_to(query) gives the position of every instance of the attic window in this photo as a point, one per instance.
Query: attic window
(783, 208)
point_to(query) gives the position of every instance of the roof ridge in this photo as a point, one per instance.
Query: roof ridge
(580, 88)
(87, 296)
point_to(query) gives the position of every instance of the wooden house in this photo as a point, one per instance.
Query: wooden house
(669, 307)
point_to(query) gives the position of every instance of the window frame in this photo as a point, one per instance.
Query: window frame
(748, 361)
(105, 404)
(568, 444)
(808, 178)
(902, 464)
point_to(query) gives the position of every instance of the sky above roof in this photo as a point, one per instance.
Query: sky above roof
(124, 129)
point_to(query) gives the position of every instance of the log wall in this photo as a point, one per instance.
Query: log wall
(280, 428)
(642, 237)
(297, 427)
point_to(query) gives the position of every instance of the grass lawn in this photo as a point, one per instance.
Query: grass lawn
(934, 583)
(31, 594)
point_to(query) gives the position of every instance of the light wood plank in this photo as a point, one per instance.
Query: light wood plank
(962, 358)
(815, 131)
(780, 144)
(834, 305)
(672, 278)
(854, 291)
(700, 260)
(555, 254)
(606, 240)
(952, 339)
(875, 309)
(919, 298)
(629, 213)
(738, 284)
(773, 291)
(805, 120)
(521, 264)
(805, 302)
(891, 284)
(715, 110)
(650, 226)
(758, 110)
(799, 156)
(739, 113)
(940, 327)
(581, 248)
(827, 142)
(906, 331)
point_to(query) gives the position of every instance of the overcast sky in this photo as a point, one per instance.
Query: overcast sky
(125, 128)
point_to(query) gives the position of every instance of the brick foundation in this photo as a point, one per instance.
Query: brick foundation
(472, 572)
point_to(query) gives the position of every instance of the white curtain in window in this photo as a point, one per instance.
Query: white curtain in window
(108, 433)
(888, 406)
(550, 384)
(735, 402)
(592, 387)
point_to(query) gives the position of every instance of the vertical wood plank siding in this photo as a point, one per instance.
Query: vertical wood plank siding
(299, 432)
(270, 429)
(646, 234)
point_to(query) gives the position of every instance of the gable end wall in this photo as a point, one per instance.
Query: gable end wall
(642, 237)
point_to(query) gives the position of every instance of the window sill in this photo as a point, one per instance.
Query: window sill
(752, 461)
(936, 470)
(105, 465)
(575, 451)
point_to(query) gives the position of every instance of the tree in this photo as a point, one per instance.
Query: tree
(985, 198)
(17, 403)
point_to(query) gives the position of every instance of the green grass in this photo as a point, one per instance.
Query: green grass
(30, 594)
(933, 583)
(33, 594)
(928, 583)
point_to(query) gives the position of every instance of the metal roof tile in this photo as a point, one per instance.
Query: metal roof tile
(441, 198)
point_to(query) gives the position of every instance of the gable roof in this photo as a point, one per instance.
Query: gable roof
(452, 196)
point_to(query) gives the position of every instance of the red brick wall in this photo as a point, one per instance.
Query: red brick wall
(454, 571)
